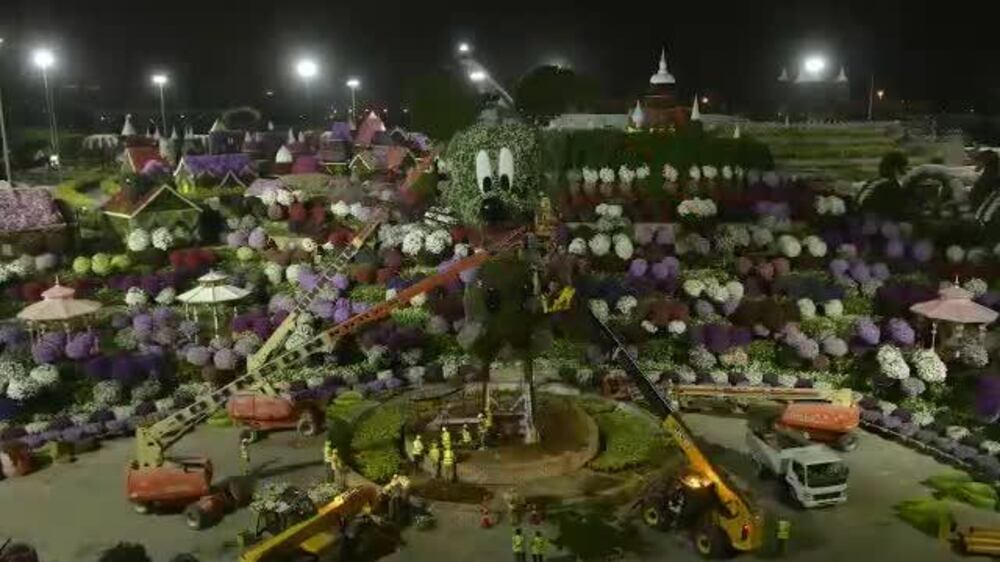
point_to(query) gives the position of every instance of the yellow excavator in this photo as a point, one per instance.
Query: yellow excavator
(722, 517)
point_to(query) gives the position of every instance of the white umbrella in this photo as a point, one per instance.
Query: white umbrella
(212, 290)
(954, 304)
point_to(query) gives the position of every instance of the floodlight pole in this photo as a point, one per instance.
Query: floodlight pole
(6, 144)
(871, 95)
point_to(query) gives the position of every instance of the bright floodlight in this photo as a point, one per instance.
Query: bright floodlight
(880, 94)
(477, 75)
(464, 48)
(307, 68)
(815, 64)
(353, 83)
(43, 58)
(159, 79)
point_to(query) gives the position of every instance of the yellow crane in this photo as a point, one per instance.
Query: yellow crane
(722, 516)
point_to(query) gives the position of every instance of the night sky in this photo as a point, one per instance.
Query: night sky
(222, 53)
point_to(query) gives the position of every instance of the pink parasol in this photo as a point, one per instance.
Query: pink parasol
(954, 304)
(57, 304)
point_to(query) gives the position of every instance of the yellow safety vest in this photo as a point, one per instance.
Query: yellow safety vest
(538, 545)
(466, 436)
(518, 544)
(784, 529)
(435, 454)
(446, 439)
(418, 447)
(449, 457)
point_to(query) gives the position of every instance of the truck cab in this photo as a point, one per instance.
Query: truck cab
(817, 478)
(813, 474)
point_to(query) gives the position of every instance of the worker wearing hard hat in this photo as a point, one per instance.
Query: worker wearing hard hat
(418, 450)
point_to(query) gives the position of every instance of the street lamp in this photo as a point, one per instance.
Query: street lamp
(880, 94)
(814, 65)
(478, 76)
(3, 136)
(464, 48)
(307, 69)
(353, 84)
(160, 80)
(44, 59)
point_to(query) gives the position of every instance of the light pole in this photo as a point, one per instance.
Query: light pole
(479, 76)
(44, 59)
(353, 84)
(160, 80)
(3, 137)
(307, 69)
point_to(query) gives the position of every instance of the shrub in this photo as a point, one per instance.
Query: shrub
(383, 427)
(380, 464)
(629, 441)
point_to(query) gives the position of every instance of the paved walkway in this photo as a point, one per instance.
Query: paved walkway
(72, 512)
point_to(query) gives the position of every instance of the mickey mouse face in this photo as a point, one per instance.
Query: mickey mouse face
(493, 209)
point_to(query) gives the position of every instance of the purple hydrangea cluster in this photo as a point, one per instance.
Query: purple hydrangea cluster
(900, 332)
(922, 251)
(867, 331)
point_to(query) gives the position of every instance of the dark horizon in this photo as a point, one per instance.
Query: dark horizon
(223, 56)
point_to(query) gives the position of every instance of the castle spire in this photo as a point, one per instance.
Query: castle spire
(784, 75)
(637, 115)
(695, 112)
(842, 77)
(662, 76)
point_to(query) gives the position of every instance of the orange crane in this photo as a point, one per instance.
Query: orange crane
(152, 480)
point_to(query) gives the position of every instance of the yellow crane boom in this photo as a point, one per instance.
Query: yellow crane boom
(733, 515)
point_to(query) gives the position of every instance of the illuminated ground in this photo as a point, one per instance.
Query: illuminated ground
(71, 512)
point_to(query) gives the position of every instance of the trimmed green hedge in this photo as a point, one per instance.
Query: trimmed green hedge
(627, 440)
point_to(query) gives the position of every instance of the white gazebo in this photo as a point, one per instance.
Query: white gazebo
(212, 290)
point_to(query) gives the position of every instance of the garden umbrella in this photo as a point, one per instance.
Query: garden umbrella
(58, 304)
(954, 304)
(213, 290)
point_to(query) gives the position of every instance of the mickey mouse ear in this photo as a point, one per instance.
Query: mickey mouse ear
(506, 168)
(484, 171)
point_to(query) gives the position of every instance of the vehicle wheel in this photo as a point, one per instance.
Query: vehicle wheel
(710, 541)
(788, 497)
(652, 516)
(141, 508)
(240, 491)
(196, 518)
(846, 442)
(307, 424)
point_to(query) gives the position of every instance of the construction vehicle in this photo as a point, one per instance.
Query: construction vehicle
(316, 535)
(813, 475)
(722, 517)
(823, 416)
(154, 481)
(262, 412)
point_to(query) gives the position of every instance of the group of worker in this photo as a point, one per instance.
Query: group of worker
(442, 457)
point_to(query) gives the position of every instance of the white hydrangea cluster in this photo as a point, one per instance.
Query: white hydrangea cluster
(976, 286)
(273, 272)
(990, 447)
(727, 172)
(789, 246)
(676, 327)
(340, 209)
(642, 172)
(136, 297)
(600, 244)
(600, 309)
(292, 273)
(929, 366)
(413, 242)
(649, 327)
(833, 308)
(437, 242)
(284, 197)
(709, 172)
(607, 175)
(590, 176)
(891, 362)
(626, 305)
(162, 239)
(462, 251)
(578, 247)
(956, 432)
(694, 172)
(45, 375)
(830, 205)
(815, 246)
(626, 174)
(923, 418)
(697, 207)
(807, 308)
(670, 173)
(137, 240)
(623, 246)
(693, 287)
(786, 380)
(955, 253)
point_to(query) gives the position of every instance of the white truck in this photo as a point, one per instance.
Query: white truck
(813, 474)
